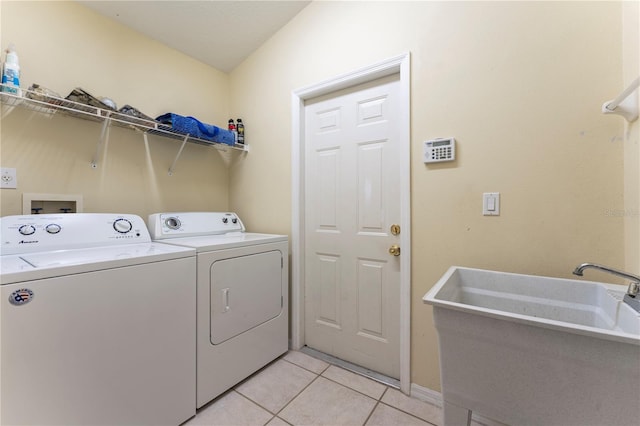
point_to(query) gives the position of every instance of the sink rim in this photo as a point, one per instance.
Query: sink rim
(618, 290)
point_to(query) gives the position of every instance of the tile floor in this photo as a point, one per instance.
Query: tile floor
(298, 389)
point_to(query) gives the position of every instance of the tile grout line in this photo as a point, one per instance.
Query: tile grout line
(305, 368)
(276, 414)
(371, 413)
(406, 412)
(378, 402)
(318, 375)
(296, 395)
(279, 418)
(273, 416)
(329, 365)
(356, 390)
(383, 394)
(257, 404)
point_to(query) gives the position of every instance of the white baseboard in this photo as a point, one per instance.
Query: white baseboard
(435, 398)
(427, 395)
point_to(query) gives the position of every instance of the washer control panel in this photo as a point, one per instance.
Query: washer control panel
(189, 224)
(32, 233)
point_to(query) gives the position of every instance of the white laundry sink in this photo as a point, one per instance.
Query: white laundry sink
(525, 349)
(578, 306)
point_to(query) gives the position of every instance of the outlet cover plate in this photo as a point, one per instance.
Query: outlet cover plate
(8, 178)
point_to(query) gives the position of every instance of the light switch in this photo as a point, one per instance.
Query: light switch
(491, 204)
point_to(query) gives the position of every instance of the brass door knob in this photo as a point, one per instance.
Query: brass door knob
(394, 250)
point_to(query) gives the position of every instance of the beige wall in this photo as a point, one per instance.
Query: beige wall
(63, 45)
(631, 71)
(519, 84)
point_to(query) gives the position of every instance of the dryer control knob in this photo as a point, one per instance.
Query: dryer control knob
(27, 229)
(225, 219)
(172, 223)
(122, 226)
(53, 228)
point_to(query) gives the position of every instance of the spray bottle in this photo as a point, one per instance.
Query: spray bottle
(240, 130)
(11, 73)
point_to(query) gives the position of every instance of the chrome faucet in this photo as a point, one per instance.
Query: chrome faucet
(632, 298)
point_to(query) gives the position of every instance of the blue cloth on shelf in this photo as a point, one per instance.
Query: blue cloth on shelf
(194, 127)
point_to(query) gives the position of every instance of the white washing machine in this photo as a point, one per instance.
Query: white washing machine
(97, 323)
(242, 281)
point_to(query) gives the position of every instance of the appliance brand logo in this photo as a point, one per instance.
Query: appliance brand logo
(20, 297)
(27, 242)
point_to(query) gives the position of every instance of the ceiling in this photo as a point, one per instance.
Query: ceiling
(217, 32)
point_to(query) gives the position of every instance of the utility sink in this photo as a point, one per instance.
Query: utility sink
(524, 349)
(579, 306)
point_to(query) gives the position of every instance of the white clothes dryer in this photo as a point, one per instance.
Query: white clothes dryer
(97, 322)
(242, 281)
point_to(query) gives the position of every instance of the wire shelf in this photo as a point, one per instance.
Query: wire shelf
(49, 105)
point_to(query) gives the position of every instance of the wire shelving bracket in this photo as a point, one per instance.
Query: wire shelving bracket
(625, 104)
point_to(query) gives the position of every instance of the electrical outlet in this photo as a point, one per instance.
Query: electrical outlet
(8, 178)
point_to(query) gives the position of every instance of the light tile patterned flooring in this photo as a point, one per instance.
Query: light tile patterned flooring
(298, 389)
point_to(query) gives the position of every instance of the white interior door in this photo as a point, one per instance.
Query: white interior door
(352, 200)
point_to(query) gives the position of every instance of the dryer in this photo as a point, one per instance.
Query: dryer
(97, 322)
(242, 307)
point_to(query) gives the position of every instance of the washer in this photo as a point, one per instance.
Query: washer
(98, 322)
(242, 281)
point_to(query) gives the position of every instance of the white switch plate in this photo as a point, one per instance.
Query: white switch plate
(491, 204)
(8, 178)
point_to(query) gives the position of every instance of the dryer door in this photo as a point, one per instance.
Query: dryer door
(245, 291)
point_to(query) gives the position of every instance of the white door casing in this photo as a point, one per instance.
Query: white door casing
(400, 67)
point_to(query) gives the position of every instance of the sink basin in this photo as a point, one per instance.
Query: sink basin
(524, 349)
(578, 306)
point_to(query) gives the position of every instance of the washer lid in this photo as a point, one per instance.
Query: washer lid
(65, 262)
(14, 264)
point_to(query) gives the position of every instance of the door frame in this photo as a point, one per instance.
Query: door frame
(396, 65)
